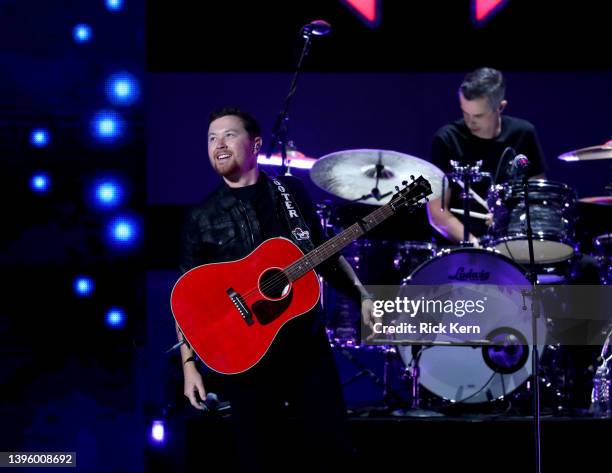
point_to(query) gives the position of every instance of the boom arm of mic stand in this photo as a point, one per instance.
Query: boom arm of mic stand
(280, 125)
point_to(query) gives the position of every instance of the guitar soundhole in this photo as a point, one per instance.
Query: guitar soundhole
(274, 284)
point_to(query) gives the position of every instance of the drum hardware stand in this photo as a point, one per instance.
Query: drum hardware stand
(413, 373)
(465, 175)
(379, 170)
(535, 315)
(388, 392)
(324, 212)
(601, 394)
(279, 131)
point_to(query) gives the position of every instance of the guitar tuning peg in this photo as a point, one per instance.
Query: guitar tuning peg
(426, 199)
(404, 183)
(411, 177)
(397, 188)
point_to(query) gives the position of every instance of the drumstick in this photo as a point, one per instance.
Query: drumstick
(477, 198)
(472, 214)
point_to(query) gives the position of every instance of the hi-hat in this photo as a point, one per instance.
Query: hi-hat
(352, 174)
(591, 153)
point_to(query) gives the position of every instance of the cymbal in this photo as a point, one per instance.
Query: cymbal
(351, 174)
(597, 200)
(591, 153)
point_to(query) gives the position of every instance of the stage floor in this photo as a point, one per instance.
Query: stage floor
(475, 443)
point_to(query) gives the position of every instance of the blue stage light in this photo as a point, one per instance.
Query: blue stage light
(82, 33)
(115, 318)
(107, 126)
(83, 286)
(40, 182)
(158, 431)
(122, 89)
(108, 193)
(123, 231)
(40, 137)
(114, 5)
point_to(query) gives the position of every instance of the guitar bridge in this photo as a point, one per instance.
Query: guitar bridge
(239, 303)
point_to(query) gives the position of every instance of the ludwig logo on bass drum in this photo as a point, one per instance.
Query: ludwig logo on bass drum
(470, 275)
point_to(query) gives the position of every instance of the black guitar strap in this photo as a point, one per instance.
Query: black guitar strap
(300, 233)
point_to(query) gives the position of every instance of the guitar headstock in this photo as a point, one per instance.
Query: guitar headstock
(412, 194)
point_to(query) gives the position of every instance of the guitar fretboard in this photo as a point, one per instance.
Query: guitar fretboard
(338, 242)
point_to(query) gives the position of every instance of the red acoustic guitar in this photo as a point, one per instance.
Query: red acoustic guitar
(231, 312)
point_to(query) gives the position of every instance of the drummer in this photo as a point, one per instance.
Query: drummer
(482, 135)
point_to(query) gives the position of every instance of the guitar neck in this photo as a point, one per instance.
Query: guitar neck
(338, 242)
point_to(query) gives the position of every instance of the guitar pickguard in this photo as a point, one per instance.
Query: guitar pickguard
(267, 311)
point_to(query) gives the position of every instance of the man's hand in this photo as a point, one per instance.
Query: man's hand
(193, 384)
(475, 241)
(367, 316)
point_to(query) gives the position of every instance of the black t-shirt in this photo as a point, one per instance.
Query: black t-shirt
(260, 199)
(455, 142)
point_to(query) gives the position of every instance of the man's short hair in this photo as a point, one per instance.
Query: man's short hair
(484, 83)
(249, 122)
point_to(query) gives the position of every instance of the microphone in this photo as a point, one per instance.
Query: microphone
(316, 28)
(212, 404)
(519, 165)
(212, 401)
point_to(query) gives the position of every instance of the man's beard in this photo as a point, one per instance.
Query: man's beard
(227, 171)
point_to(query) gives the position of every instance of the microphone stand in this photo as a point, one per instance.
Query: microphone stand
(535, 315)
(466, 210)
(279, 131)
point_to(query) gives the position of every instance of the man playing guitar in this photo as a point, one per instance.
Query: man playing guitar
(297, 374)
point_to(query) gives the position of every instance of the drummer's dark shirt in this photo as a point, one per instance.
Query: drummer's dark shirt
(455, 142)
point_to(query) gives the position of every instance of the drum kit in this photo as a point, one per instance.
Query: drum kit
(459, 375)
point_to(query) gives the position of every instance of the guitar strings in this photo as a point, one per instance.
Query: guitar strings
(273, 283)
(283, 278)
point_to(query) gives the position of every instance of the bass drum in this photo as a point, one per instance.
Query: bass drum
(484, 373)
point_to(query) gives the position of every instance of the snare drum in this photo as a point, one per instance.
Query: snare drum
(552, 206)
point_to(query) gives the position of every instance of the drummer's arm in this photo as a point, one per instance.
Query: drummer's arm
(366, 298)
(445, 222)
(342, 277)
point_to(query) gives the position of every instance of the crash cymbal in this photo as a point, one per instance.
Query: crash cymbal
(351, 174)
(591, 153)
